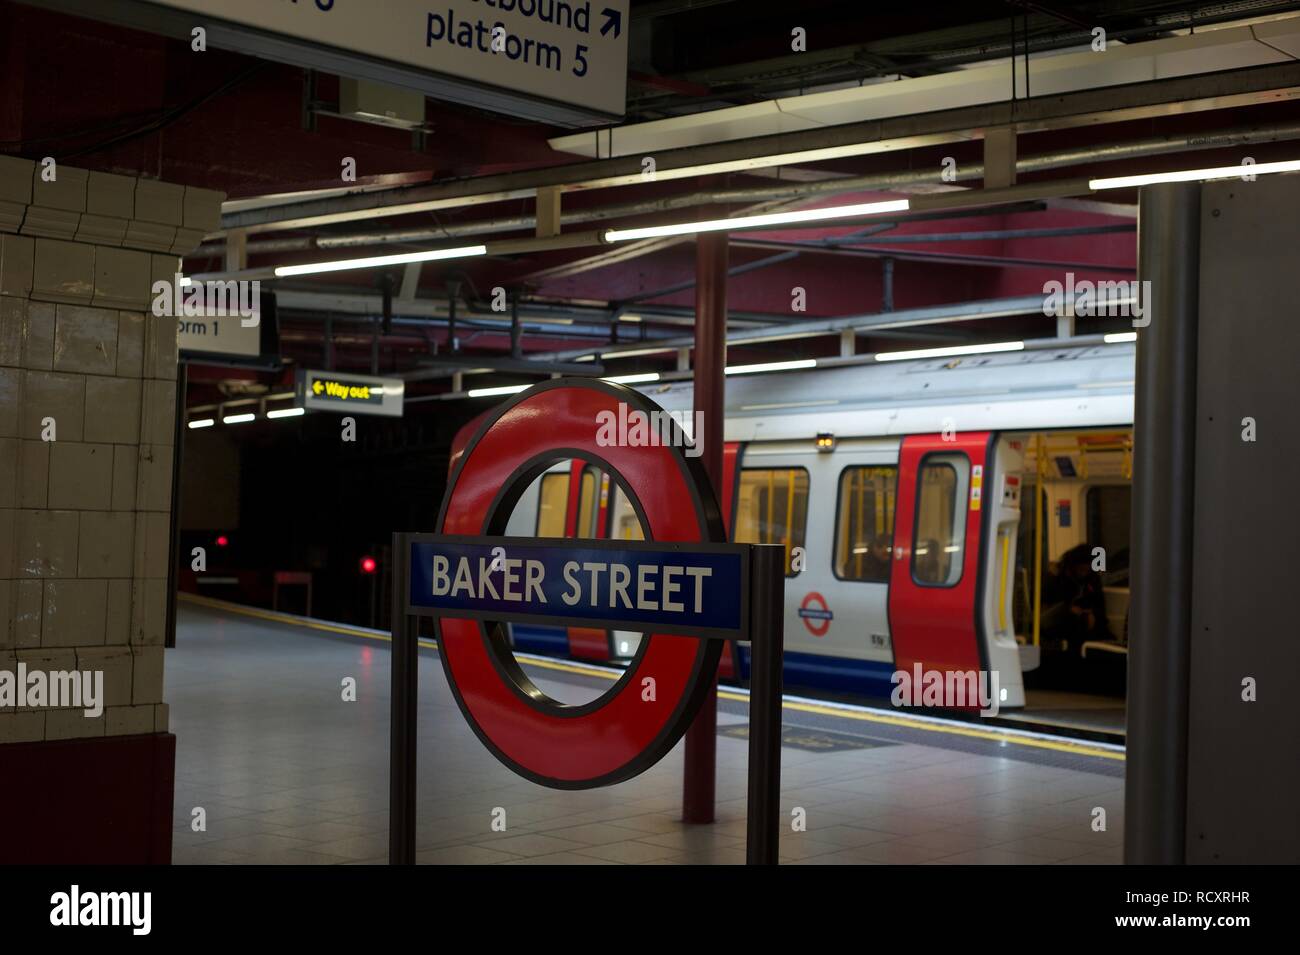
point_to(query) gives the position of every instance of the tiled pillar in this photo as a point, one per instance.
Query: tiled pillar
(87, 417)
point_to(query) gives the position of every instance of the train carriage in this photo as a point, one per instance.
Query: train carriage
(922, 505)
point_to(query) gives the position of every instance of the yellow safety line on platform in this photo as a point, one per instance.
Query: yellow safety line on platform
(1061, 746)
(1079, 749)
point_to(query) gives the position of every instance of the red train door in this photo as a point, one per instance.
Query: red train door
(934, 585)
(729, 665)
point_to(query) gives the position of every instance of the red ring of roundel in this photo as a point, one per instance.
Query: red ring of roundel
(626, 733)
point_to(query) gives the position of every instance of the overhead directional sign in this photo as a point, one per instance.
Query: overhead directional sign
(219, 334)
(356, 394)
(572, 52)
(216, 330)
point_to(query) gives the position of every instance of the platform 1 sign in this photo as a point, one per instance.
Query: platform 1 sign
(571, 52)
(352, 394)
(218, 335)
(693, 589)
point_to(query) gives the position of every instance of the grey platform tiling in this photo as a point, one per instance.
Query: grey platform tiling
(288, 773)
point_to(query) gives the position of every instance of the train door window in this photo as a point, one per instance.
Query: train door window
(940, 534)
(623, 522)
(864, 528)
(772, 508)
(552, 501)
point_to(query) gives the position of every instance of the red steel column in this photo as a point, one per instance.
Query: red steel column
(700, 777)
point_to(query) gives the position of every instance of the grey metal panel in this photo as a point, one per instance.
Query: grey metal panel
(1155, 784)
(1244, 758)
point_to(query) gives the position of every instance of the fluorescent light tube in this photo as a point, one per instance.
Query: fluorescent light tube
(633, 379)
(771, 366)
(1193, 175)
(949, 351)
(490, 392)
(378, 261)
(791, 404)
(632, 353)
(768, 219)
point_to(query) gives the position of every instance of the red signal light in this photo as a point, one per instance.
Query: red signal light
(223, 540)
(368, 565)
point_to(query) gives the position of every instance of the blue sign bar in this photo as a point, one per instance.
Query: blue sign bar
(692, 589)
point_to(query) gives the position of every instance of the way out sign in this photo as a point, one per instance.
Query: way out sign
(684, 587)
(349, 394)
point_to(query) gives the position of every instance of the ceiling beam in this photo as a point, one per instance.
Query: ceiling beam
(440, 366)
(862, 324)
(938, 258)
(1254, 85)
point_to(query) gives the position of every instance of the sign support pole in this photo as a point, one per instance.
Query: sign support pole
(699, 780)
(405, 688)
(767, 613)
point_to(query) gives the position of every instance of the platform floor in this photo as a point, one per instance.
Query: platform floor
(1066, 710)
(288, 773)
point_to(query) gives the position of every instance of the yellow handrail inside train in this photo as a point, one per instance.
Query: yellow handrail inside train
(771, 503)
(1039, 500)
(1005, 535)
(789, 517)
(860, 478)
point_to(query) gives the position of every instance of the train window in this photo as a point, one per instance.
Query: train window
(552, 502)
(623, 522)
(773, 509)
(864, 529)
(940, 533)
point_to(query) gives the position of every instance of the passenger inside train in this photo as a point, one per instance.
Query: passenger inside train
(1076, 611)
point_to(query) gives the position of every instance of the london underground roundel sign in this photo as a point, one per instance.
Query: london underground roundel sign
(639, 719)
